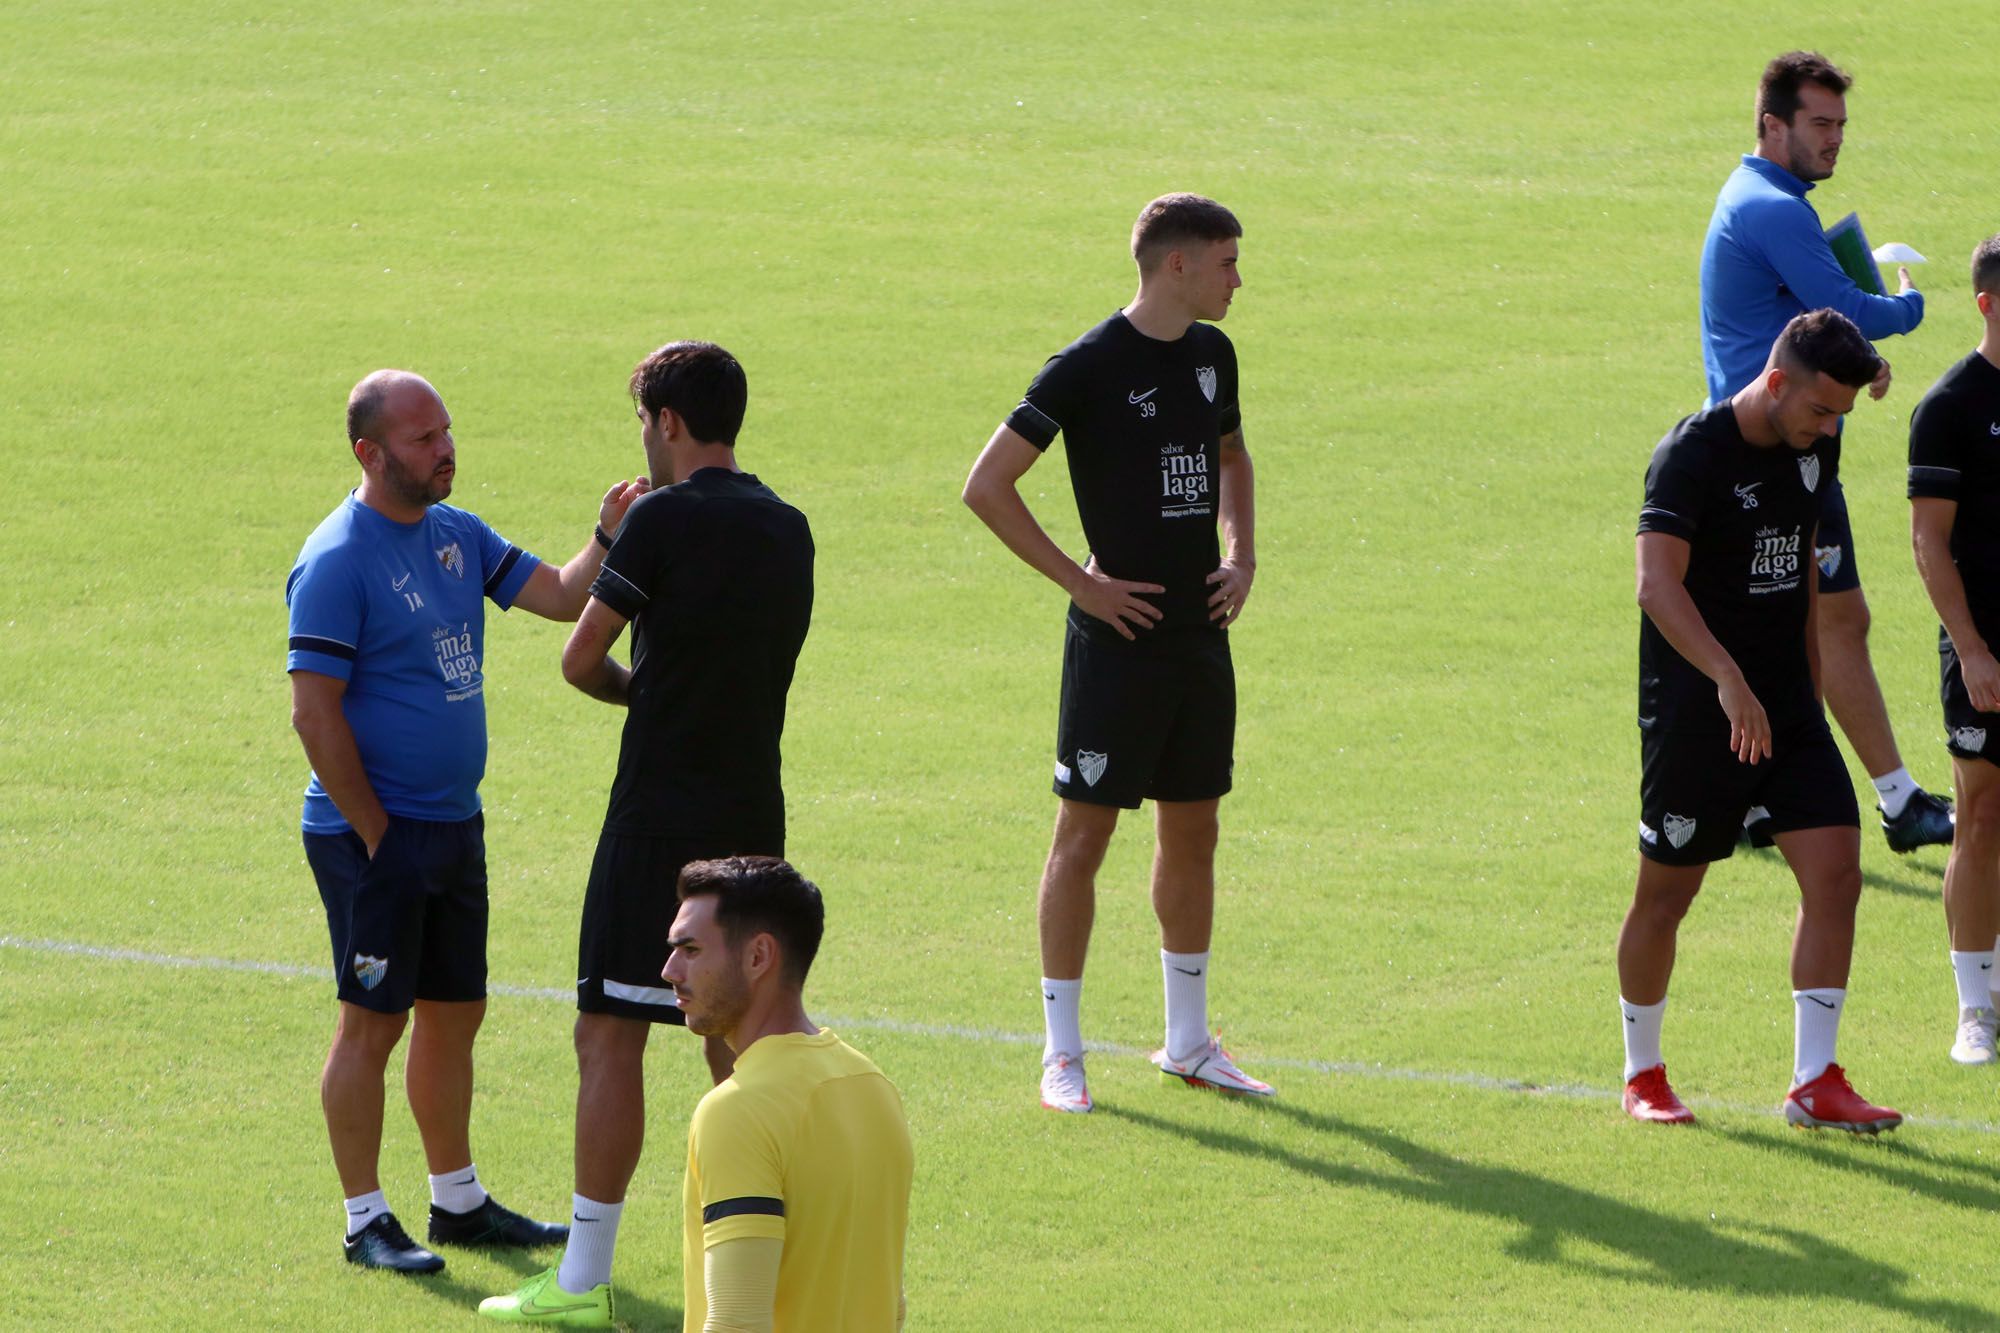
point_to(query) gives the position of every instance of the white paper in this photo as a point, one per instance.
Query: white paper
(1895, 252)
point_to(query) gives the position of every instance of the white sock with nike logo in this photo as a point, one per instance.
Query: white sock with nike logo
(1063, 1032)
(458, 1191)
(1642, 1034)
(593, 1235)
(1816, 1024)
(1894, 790)
(363, 1209)
(1186, 976)
(1974, 974)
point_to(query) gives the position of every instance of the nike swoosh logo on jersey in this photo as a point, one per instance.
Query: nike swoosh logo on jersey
(1993, 429)
(1142, 397)
(396, 585)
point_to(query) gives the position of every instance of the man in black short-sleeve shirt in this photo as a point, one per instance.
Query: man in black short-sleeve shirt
(1955, 527)
(715, 575)
(1729, 707)
(1146, 403)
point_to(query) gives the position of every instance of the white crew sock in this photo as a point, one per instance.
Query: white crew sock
(458, 1191)
(1186, 976)
(1062, 1028)
(593, 1235)
(1816, 1026)
(363, 1209)
(1642, 1034)
(1974, 974)
(1894, 790)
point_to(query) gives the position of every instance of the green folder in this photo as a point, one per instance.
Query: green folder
(1850, 248)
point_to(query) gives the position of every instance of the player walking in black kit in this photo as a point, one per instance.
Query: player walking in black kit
(1955, 528)
(1146, 404)
(1729, 703)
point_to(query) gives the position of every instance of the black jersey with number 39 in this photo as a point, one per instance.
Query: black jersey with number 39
(1141, 421)
(1747, 513)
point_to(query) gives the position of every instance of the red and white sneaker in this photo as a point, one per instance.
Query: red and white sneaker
(1062, 1084)
(1210, 1067)
(1648, 1097)
(1830, 1102)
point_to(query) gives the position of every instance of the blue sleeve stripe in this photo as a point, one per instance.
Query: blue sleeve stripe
(309, 643)
(502, 570)
(748, 1204)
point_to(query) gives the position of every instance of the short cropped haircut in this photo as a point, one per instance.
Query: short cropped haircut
(365, 404)
(1173, 220)
(1778, 90)
(1986, 265)
(756, 895)
(1827, 342)
(703, 384)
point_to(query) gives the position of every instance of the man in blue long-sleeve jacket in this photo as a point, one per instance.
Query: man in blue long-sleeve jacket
(1765, 260)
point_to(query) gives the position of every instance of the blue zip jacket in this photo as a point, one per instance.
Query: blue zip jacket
(1765, 260)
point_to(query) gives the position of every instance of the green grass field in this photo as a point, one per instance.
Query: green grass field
(1469, 312)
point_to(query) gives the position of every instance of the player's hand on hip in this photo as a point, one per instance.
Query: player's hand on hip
(1880, 384)
(1231, 587)
(1116, 601)
(619, 499)
(1749, 726)
(1981, 674)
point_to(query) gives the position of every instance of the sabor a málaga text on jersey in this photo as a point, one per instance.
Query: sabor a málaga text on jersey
(1141, 421)
(1747, 514)
(398, 611)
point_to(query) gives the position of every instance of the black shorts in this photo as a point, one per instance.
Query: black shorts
(1966, 729)
(1145, 724)
(410, 923)
(628, 910)
(1694, 792)
(1833, 549)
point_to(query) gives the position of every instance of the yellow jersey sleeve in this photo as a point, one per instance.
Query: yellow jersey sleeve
(734, 1157)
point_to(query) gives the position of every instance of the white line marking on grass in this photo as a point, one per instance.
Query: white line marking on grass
(964, 1032)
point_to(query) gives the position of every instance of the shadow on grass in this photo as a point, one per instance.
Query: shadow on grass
(1924, 883)
(1660, 1249)
(633, 1311)
(1890, 1160)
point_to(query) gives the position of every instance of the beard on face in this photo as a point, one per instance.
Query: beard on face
(411, 487)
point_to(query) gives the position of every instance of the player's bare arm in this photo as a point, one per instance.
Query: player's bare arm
(1931, 522)
(1237, 516)
(1663, 596)
(560, 594)
(586, 659)
(330, 749)
(992, 491)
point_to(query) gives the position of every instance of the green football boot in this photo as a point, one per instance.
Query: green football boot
(541, 1301)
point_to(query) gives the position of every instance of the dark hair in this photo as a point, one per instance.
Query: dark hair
(1986, 265)
(1175, 219)
(1778, 90)
(757, 895)
(1826, 341)
(703, 384)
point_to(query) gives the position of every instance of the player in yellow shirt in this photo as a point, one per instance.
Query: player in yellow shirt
(798, 1173)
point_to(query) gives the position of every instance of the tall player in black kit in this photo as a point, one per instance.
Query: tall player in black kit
(1729, 703)
(1955, 528)
(1147, 408)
